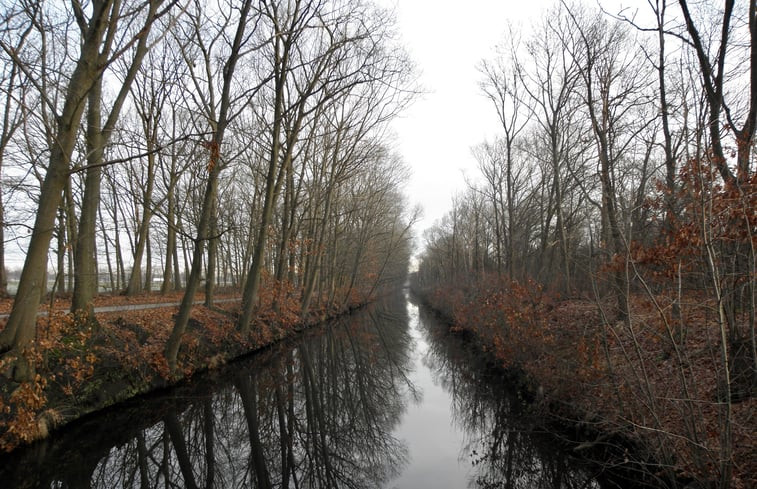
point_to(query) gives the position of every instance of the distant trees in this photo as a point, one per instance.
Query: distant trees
(599, 116)
(221, 143)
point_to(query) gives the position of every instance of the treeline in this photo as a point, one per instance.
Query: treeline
(625, 174)
(622, 144)
(241, 143)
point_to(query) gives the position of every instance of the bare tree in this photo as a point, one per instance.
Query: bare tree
(319, 52)
(613, 91)
(714, 79)
(552, 84)
(502, 84)
(97, 135)
(13, 88)
(151, 92)
(238, 47)
(98, 34)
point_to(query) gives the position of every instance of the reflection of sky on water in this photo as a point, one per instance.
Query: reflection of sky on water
(500, 442)
(383, 399)
(426, 428)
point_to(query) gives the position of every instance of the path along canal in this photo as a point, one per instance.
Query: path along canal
(382, 398)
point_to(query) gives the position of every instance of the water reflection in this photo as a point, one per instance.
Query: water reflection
(502, 442)
(323, 411)
(317, 413)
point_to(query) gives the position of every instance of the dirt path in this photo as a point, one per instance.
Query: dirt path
(134, 307)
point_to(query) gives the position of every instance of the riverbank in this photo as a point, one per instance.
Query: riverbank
(83, 366)
(620, 384)
(384, 397)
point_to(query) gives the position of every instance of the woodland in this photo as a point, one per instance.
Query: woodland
(171, 150)
(607, 247)
(239, 153)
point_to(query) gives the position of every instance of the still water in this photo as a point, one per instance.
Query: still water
(383, 398)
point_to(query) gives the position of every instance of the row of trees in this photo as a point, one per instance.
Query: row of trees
(613, 133)
(625, 169)
(245, 140)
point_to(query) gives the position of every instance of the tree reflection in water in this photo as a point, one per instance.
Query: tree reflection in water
(322, 411)
(318, 413)
(501, 440)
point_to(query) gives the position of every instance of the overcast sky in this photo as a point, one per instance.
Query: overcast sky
(447, 40)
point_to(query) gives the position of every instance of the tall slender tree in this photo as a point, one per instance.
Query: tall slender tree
(238, 47)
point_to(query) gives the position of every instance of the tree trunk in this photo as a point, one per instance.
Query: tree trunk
(210, 276)
(273, 185)
(111, 277)
(287, 227)
(312, 275)
(148, 265)
(85, 280)
(178, 284)
(193, 281)
(169, 276)
(3, 274)
(135, 282)
(120, 268)
(71, 226)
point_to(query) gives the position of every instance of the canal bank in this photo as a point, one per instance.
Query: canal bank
(86, 366)
(610, 387)
(618, 461)
(384, 398)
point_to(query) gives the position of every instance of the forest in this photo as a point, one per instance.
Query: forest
(607, 245)
(237, 157)
(189, 149)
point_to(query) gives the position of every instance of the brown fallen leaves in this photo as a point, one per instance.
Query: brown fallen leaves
(626, 378)
(82, 366)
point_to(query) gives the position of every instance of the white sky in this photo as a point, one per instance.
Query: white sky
(447, 39)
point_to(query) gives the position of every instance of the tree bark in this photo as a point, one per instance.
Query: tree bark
(85, 282)
(210, 275)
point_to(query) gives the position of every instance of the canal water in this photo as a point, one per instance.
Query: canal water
(383, 398)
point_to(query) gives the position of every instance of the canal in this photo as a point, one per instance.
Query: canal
(383, 398)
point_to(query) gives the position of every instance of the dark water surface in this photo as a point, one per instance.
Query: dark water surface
(380, 399)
